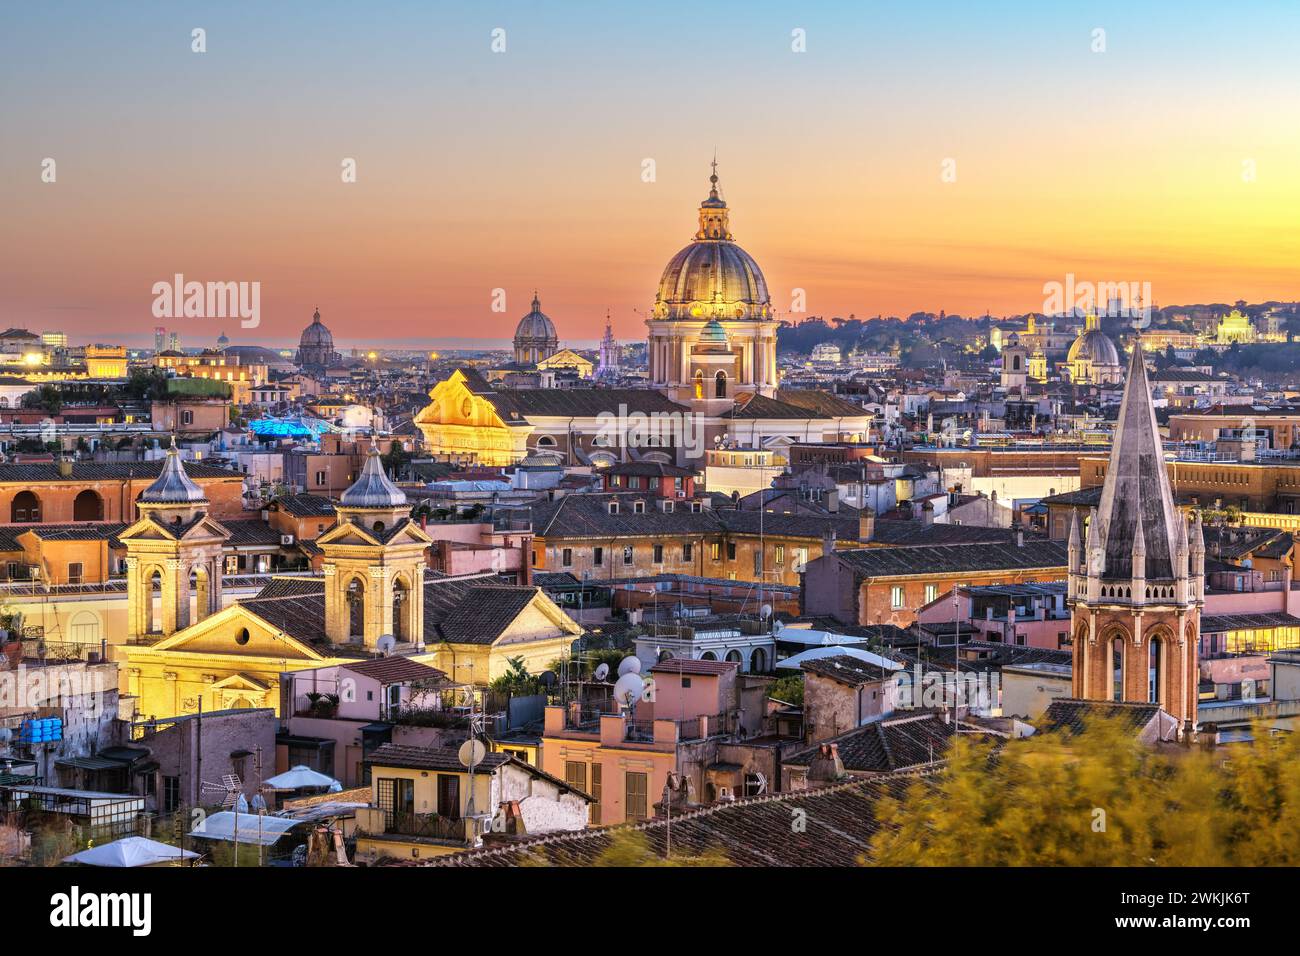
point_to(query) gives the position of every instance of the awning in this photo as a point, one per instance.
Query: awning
(131, 851)
(221, 826)
(90, 763)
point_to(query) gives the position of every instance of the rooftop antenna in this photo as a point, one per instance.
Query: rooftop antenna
(232, 789)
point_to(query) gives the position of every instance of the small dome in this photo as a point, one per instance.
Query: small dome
(536, 324)
(222, 340)
(173, 486)
(316, 335)
(1093, 346)
(372, 489)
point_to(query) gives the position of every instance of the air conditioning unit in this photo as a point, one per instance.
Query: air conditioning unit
(286, 540)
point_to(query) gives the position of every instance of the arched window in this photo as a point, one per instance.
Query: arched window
(84, 628)
(708, 656)
(26, 507)
(545, 441)
(733, 656)
(720, 385)
(400, 608)
(1155, 670)
(199, 588)
(1117, 668)
(88, 506)
(699, 383)
(356, 608)
(758, 661)
(155, 591)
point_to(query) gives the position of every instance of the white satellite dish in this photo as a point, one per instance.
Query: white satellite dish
(386, 644)
(602, 671)
(628, 689)
(765, 611)
(471, 753)
(629, 665)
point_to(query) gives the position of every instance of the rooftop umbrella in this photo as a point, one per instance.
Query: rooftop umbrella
(130, 851)
(299, 778)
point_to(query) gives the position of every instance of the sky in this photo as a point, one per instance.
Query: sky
(1170, 157)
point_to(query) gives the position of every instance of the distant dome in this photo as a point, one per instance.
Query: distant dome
(222, 340)
(1094, 346)
(536, 324)
(373, 489)
(712, 337)
(173, 486)
(316, 346)
(535, 336)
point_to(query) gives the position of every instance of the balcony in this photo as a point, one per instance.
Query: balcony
(377, 822)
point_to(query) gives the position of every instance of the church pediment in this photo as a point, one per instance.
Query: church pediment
(348, 533)
(237, 632)
(241, 682)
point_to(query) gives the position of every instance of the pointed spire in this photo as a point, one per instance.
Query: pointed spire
(373, 489)
(1136, 490)
(173, 485)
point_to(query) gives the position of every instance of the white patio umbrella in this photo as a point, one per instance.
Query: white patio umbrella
(299, 778)
(131, 851)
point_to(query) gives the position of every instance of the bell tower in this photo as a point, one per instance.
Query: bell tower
(375, 558)
(173, 550)
(1137, 574)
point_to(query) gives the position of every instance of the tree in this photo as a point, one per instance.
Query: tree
(1099, 798)
(788, 689)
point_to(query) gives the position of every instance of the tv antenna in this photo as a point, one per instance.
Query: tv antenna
(232, 790)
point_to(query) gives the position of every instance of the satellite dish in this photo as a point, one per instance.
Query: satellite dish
(472, 753)
(628, 688)
(765, 611)
(602, 671)
(547, 678)
(776, 627)
(629, 665)
(386, 644)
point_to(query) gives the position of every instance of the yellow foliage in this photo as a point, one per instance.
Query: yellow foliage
(1100, 798)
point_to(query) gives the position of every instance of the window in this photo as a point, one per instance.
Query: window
(758, 563)
(613, 507)
(595, 792)
(598, 556)
(320, 479)
(686, 683)
(731, 551)
(780, 554)
(627, 556)
(634, 796)
(638, 507)
(800, 558)
(566, 557)
(715, 551)
(659, 554)
(575, 774)
(931, 592)
(171, 794)
(187, 417)
(688, 550)
(449, 796)
(76, 572)
(896, 596)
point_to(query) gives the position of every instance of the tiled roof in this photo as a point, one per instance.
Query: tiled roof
(883, 746)
(396, 670)
(247, 532)
(446, 759)
(474, 614)
(105, 471)
(955, 559)
(845, 669)
(1084, 497)
(1069, 715)
(840, 825)
(652, 469)
(517, 405)
(71, 532)
(796, 403)
(305, 506)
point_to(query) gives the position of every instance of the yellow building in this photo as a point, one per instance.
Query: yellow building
(106, 361)
(375, 597)
(568, 359)
(1234, 327)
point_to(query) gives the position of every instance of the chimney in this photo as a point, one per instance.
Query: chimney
(866, 525)
(833, 500)
(828, 539)
(826, 766)
(65, 467)
(927, 513)
(1020, 537)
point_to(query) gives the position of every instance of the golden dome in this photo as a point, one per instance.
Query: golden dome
(713, 277)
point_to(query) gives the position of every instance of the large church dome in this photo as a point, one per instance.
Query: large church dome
(536, 324)
(1094, 346)
(713, 277)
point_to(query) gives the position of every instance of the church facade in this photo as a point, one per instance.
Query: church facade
(375, 597)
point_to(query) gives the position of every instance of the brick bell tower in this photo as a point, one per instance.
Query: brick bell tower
(1137, 574)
